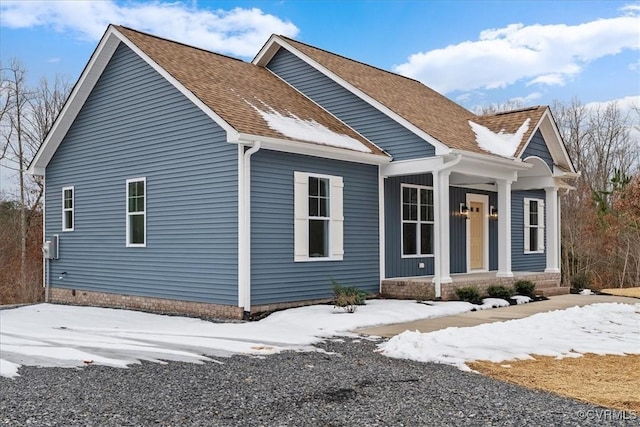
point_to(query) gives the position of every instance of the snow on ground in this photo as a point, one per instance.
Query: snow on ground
(521, 299)
(501, 143)
(610, 328)
(68, 336)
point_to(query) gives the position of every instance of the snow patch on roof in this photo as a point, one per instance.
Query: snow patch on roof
(501, 143)
(296, 128)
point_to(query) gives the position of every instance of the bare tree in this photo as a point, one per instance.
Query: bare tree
(26, 116)
(603, 148)
(512, 104)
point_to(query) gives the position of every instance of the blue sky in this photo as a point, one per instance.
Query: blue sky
(538, 51)
(474, 52)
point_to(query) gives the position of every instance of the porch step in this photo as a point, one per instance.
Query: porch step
(556, 290)
(544, 284)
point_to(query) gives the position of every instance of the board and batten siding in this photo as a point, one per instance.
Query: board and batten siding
(376, 126)
(537, 147)
(275, 277)
(521, 261)
(135, 124)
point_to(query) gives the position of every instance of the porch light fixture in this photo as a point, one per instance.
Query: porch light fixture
(493, 212)
(464, 210)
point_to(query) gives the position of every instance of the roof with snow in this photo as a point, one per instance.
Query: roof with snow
(510, 122)
(247, 97)
(426, 109)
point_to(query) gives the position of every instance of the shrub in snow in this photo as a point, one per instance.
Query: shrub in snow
(469, 294)
(580, 281)
(499, 291)
(348, 298)
(525, 287)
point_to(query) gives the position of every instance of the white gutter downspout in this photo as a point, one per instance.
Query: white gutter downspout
(439, 229)
(244, 227)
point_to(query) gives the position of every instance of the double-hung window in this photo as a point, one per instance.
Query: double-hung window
(417, 220)
(319, 217)
(318, 222)
(136, 212)
(67, 208)
(533, 225)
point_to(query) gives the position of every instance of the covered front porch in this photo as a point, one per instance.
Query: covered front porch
(480, 222)
(424, 288)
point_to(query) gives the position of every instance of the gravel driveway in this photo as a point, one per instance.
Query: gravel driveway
(354, 387)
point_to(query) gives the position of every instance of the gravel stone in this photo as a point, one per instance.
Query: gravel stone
(349, 385)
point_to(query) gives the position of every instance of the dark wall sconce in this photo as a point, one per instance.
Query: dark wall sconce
(493, 212)
(464, 210)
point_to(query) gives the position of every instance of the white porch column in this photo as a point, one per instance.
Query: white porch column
(552, 228)
(441, 214)
(504, 228)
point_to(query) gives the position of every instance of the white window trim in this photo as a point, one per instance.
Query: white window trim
(301, 217)
(128, 214)
(540, 226)
(484, 199)
(72, 210)
(418, 248)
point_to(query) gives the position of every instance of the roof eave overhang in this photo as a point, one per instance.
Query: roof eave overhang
(85, 84)
(488, 159)
(312, 149)
(275, 42)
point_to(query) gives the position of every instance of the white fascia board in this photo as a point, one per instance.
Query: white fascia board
(311, 149)
(269, 50)
(411, 167)
(538, 182)
(481, 168)
(83, 87)
(554, 141)
(488, 159)
(559, 173)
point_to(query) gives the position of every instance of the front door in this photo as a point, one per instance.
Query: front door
(476, 236)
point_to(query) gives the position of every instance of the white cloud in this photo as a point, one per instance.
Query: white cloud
(237, 31)
(541, 54)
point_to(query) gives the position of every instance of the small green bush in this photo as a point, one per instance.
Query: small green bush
(580, 281)
(525, 287)
(470, 294)
(499, 291)
(348, 298)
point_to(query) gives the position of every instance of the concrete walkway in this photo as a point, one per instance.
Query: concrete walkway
(474, 318)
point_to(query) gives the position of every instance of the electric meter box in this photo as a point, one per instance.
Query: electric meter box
(50, 248)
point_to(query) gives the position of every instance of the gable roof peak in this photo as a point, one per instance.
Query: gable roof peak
(289, 39)
(517, 110)
(133, 30)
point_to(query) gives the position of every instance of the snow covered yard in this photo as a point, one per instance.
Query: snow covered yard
(69, 336)
(610, 328)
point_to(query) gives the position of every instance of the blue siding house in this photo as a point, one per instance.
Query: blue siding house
(179, 180)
